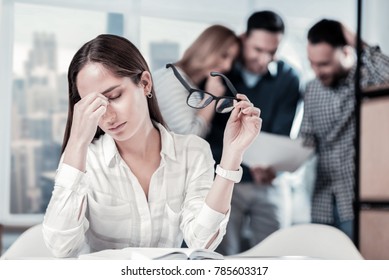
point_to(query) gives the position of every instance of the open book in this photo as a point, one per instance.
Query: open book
(153, 254)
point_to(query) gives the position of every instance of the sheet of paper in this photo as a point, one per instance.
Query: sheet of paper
(276, 151)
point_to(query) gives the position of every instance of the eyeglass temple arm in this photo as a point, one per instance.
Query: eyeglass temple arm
(228, 82)
(178, 76)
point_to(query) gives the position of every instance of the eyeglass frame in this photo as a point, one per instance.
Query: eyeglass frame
(214, 98)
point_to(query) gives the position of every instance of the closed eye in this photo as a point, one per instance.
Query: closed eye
(114, 97)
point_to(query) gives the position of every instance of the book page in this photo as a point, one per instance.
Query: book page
(152, 253)
(203, 254)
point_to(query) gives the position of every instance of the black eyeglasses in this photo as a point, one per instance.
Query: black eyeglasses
(200, 99)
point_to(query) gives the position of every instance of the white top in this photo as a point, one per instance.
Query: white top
(171, 96)
(106, 207)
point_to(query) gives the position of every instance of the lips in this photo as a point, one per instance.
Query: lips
(117, 127)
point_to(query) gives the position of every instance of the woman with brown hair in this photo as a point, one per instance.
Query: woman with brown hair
(214, 50)
(124, 180)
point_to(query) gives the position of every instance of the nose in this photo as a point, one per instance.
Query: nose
(226, 65)
(265, 58)
(109, 115)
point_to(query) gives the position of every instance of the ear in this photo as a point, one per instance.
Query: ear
(146, 82)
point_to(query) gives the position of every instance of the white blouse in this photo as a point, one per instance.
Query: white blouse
(106, 207)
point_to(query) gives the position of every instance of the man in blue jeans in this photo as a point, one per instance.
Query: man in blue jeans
(272, 86)
(329, 117)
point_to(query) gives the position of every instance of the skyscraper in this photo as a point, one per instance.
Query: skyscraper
(34, 152)
(26, 166)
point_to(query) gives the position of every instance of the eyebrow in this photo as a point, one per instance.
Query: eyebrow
(109, 89)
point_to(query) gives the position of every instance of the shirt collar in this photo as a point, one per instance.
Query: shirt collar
(109, 148)
(272, 68)
(167, 142)
(111, 153)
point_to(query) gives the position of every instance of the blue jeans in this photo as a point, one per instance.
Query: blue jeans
(346, 226)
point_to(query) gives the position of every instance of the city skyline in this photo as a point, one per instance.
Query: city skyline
(34, 149)
(39, 114)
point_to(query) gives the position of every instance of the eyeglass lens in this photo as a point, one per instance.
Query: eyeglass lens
(200, 100)
(224, 105)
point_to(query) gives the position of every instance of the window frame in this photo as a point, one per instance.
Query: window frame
(130, 9)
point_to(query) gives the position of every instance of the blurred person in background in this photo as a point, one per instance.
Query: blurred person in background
(214, 50)
(258, 205)
(329, 117)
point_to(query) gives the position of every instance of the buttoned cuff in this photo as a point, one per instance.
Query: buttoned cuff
(212, 222)
(209, 218)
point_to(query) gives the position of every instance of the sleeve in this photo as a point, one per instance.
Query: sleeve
(64, 223)
(375, 67)
(306, 129)
(172, 96)
(199, 222)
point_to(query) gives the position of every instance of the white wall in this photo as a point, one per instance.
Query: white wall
(375, 23)
(313, 10)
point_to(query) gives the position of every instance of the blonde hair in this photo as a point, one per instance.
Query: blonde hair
(212, 43)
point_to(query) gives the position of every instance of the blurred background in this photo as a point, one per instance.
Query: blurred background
(39, 37)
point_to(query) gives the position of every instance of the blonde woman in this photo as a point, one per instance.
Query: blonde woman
(214, 50)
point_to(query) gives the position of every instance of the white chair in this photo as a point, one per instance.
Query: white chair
(307, 240)
(29, 245)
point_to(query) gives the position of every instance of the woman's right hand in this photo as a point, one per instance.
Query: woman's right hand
(86, 115)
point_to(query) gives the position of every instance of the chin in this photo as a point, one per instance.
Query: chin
(260, 70)
(120, 137)
(326, 82)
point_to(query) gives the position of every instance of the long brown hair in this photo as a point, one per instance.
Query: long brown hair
(213, 41)
(116, 54)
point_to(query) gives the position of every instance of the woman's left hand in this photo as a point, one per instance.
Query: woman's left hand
(243, 126)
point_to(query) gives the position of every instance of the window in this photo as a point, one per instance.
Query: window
(45, 39)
